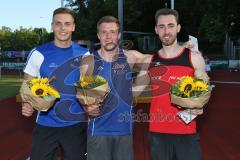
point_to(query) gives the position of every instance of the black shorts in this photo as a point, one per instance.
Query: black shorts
(110, 147)
(174, 146)
(71, 139)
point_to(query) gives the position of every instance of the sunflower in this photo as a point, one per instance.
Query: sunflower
(201, 86)
(84, 84)
(186, 85)
(100, 79)
(53, 92)
(44, 80)
(39, 89)
(91, 81)
(34, 80)
(88, 79)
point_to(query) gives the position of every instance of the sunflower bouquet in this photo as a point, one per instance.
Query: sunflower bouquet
(190, 92)
(38, 93)
(92, 89)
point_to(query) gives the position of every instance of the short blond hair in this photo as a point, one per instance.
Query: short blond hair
(108, 19)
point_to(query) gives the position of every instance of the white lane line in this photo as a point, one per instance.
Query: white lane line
(225, 82)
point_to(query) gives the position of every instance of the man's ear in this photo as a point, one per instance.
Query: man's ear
(73, 29)
(98, 36)
(156, 31)
(52, 26)
(119, 35)
(179, 28)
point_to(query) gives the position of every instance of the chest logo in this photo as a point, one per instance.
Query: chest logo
(53, 65)
(119, 68)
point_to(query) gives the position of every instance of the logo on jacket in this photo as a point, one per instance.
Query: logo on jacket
(53, 65)
(119, 68)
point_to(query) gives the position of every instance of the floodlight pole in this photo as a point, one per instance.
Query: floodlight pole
(172, 4)
(62, 3)
(0, 65)
(120, 16)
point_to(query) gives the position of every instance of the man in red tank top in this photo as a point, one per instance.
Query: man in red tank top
(170, 137)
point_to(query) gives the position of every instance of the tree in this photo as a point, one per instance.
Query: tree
(21, 39)
(5, 38)
(206, 19)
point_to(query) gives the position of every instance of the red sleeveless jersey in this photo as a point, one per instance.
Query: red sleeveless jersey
(164, 72)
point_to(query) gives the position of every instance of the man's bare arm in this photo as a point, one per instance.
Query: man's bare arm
(199, 71)
(27, 77)
(199, 66)
(87, 65)
(140, 63)
(27, 110)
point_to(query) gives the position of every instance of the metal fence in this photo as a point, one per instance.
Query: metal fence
(231, 50)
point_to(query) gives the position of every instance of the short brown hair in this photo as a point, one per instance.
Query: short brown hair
(64, 11)
(166, 11)
(108, 19)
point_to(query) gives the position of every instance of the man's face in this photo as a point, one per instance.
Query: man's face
(63, 26)
(108, 34)
(167, 29)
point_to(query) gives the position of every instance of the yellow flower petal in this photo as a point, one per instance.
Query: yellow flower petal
(201, 86)
(34, 80)
(83, 84)
(186, 84)
(91, 81)
(44, 80)
(53, 92)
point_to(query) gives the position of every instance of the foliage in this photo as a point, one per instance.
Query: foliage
(212, 31)
(21, 39)
(208, 20)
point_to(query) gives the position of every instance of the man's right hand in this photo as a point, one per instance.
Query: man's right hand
(93, 110)
(188, 45)
(27, 110)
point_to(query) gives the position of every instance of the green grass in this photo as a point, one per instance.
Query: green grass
(9, 85)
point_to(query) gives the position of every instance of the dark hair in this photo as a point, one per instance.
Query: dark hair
(108, 19)
(167, 11)
(63, 11)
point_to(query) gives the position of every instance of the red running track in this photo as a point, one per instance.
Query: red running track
(218, 127)
(15, 131)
